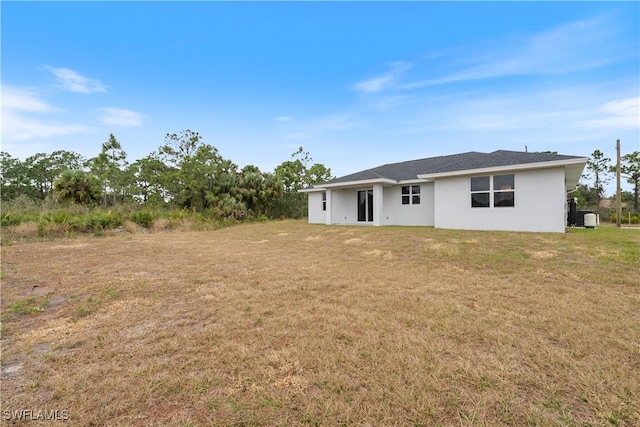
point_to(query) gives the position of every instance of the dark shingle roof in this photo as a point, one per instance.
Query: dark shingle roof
(406, 170)
(501, 158)
(457, 162)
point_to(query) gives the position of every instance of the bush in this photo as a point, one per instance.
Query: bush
(9, 218)
(177, 214)
(626, 217)
(51, 221)
(13, 218)
(56, 217)
(143, 218)
(101, 220)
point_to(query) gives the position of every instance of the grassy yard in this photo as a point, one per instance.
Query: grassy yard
(285, 323)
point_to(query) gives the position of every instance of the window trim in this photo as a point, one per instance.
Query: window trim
(412, 196)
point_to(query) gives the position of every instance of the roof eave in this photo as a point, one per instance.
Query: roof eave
(310, 190)
(522, 166)
(357, 183)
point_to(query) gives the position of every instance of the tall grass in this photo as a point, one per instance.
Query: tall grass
(25, 219)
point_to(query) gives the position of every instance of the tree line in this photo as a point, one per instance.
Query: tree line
(183, 173)
(600, 170)
(186, 173)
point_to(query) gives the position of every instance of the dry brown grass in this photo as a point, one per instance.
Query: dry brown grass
(131, 227)
(285, 323)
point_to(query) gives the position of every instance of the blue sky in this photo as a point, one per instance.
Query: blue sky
(357, 84)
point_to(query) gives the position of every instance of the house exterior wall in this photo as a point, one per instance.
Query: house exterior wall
(344, 206)
(316, 214)
(539, 204)
(395, 213)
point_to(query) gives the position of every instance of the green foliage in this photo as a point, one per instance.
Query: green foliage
(43, 169)
(110, 167)
(148, 180)
(599, 170)
(56, 217)
(78, 187)
(184, 175)
(291, 205)
(35, 176)
(587, 196)
(630, 168)
(9, 219)
(31, 305)
(103, 220)
(15, 181)
(626, 217)
(143, 218)
(295, 175)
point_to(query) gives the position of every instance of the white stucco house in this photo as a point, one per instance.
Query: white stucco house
(503, 190)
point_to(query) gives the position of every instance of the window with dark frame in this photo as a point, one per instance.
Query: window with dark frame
(480, 191)
(503, 191)
(410, 194)
(497, 191)
(324, 200)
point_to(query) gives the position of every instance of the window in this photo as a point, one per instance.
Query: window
(480, 191)
(497, 191)
(503, 191)
(324, 200)
(411, 195)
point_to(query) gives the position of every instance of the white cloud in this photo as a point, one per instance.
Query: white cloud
(75, 82)
(22, 117)
(23, 99)
(570, 113)
(18, 127)
(121, 117)
(376, 84)
(617, 114)
(393, 101)
(572, 47)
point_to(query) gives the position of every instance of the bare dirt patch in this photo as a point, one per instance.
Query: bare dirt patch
(543, 254)
(287, 323)
(312, 238)
(352, 241)
(68, 246)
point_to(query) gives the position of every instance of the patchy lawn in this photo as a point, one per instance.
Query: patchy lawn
(285, 323)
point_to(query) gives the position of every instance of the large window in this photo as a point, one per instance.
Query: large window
(324, 200)
(411, 195)
(497, 191)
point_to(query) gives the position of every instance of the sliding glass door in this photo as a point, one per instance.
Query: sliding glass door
(365, 206)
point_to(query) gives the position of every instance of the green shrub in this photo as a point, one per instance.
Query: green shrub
(42, 229)
(101, 220)
(143, 218)
(80, 223)
(626, 217)
(9, 218)
(177, 214)
(56, 217)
